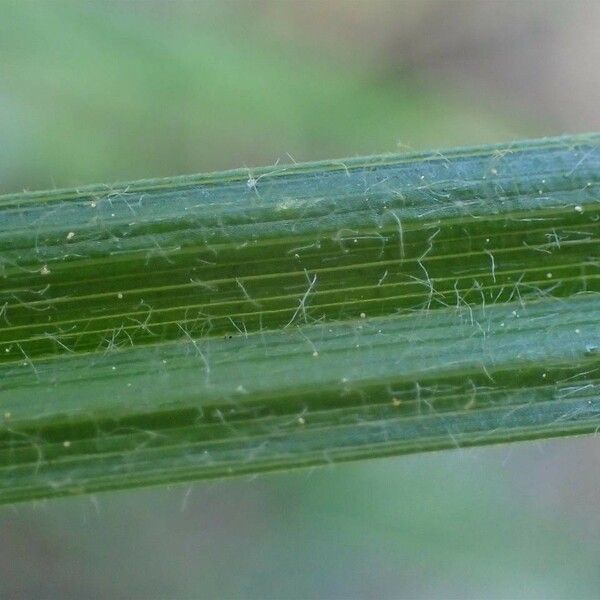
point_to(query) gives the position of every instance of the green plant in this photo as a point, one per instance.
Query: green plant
(245, 321)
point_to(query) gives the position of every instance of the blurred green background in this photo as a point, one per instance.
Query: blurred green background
(108, 91)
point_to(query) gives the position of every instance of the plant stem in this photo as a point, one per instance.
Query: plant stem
(246, 321)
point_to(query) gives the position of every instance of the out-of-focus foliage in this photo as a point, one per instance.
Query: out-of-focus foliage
(97, 92)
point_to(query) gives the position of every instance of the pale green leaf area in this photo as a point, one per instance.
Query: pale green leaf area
(299, 315)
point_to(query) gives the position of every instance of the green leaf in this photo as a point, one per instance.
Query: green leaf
(240, 322)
